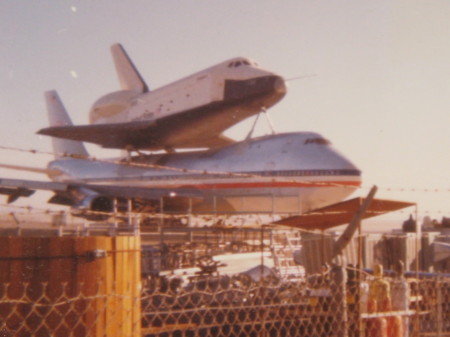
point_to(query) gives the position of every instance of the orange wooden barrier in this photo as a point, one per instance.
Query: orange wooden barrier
(79, 286)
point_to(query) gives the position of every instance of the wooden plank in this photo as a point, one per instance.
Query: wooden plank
(121, 271)
(136, 284)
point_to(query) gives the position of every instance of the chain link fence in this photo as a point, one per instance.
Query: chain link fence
(327, 304)
(178, 292)
(433, 305)
(31, 309)
(336, 302)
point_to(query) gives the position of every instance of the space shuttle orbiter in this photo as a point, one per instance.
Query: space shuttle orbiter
(191, 112)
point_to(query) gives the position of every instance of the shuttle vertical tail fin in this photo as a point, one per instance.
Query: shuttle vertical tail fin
(129, 77)
(57, 116)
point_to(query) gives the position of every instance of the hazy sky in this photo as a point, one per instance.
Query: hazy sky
(380, 90)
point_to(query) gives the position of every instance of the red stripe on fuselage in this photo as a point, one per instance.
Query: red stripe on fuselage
(271, 184)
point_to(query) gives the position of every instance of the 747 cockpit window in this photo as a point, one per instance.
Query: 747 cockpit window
(320, 141)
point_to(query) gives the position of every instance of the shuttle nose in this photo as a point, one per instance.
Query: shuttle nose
(265, 85)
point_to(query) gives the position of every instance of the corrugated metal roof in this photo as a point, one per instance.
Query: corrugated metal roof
(341, 213)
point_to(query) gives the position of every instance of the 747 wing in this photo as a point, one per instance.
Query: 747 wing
(86, 196)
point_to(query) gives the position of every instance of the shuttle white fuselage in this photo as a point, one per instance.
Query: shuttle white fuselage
(191, 112)
(198, 90)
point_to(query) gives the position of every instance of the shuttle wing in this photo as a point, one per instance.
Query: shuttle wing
(183, 130)
(115, 135)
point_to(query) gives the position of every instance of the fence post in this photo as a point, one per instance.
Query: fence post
(339, 304)
(439, 302)
(354, 305)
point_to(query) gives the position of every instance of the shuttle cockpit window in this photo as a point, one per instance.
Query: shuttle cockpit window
(239, 63)
(320, 141)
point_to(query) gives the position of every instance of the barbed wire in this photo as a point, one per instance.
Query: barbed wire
(125, 162)
(27, 210)
(130, 163)
(159, 214)
(155, 213)
(409, 189)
